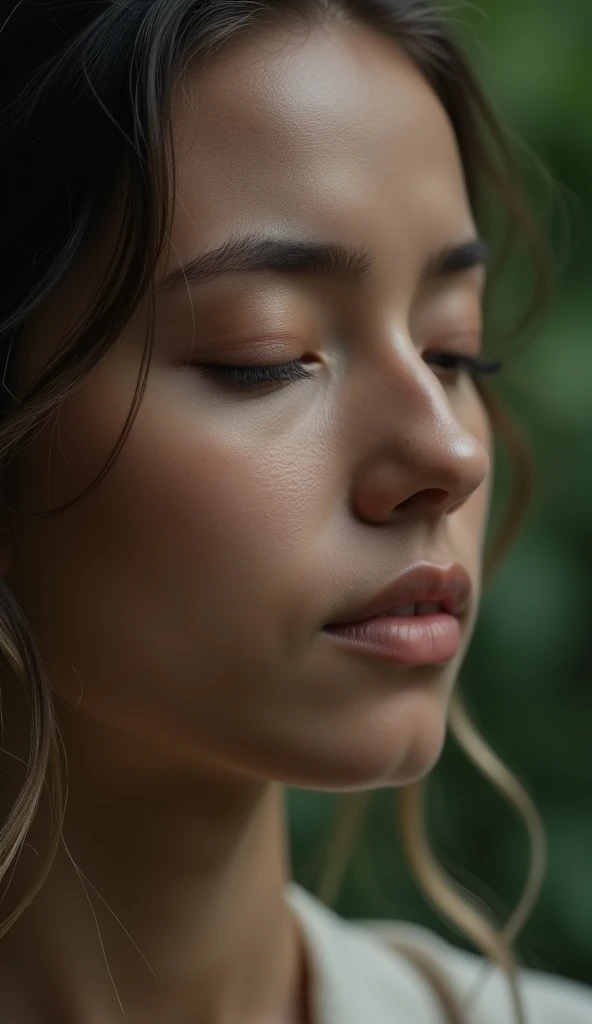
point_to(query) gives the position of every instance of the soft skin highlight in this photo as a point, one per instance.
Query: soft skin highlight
(144, 183)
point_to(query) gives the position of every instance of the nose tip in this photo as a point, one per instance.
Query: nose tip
(442, 484)
(436, 453)
(432, 484)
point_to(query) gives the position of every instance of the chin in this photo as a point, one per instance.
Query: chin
(371, 757)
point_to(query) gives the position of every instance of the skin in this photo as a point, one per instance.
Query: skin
(180, 607)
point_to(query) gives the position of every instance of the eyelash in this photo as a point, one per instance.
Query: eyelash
(253, 376)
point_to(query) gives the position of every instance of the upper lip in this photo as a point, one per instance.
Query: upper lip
(451, 586)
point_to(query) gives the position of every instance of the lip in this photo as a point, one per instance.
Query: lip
(450, 585)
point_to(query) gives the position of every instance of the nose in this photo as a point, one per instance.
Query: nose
(427, 462)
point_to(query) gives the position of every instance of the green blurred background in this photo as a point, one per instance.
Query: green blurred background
(527, 679)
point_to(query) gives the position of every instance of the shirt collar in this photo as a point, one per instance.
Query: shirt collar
(354, 975)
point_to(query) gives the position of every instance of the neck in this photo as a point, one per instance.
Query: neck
(165, 902)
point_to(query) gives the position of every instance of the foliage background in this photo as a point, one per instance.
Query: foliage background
(527, 678)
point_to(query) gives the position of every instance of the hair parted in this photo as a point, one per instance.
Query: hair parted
(86, 98)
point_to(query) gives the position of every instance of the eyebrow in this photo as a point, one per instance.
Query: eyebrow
(457, 258)
(329, 259)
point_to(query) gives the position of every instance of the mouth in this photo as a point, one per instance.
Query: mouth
(420, 587)
(414, 621)
(428, 639)
(410, 610)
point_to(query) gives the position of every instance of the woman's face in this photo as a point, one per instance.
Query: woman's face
(181, 605)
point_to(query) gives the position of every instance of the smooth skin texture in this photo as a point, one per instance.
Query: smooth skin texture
(180, 606)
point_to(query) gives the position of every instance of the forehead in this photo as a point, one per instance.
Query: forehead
(327, 132)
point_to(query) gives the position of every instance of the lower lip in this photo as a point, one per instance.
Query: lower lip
(405, 640)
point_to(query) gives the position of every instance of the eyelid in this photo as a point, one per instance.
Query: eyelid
(448, 312)
(451, 341)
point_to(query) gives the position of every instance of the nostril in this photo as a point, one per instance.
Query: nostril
(431, 496)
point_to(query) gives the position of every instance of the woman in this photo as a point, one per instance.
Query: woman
(243, 412)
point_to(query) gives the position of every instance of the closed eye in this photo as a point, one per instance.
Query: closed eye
(458, 363)
(243, 377)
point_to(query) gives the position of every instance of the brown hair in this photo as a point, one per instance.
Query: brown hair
(114, 68)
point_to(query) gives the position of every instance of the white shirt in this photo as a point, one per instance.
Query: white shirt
(356, 978)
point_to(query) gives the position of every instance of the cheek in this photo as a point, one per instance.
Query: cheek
(470, 521)
(482, 430)
(189, 553)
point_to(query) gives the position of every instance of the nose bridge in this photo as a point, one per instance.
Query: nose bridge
(429, 459)
(434, 431)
